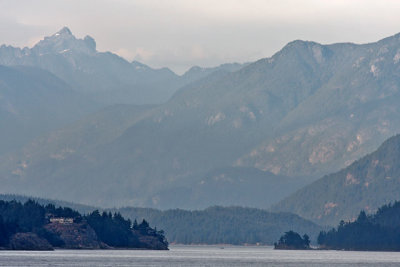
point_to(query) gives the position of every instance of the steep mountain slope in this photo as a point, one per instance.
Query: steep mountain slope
(347, 117)
(308, 110)
(32, 102)
(103, 76)
(366, 184)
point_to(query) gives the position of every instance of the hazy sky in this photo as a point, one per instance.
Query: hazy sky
(182, 33)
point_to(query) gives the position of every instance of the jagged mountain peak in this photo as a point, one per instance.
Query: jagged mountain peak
(64, 41)
(64, 31)
(90, 42)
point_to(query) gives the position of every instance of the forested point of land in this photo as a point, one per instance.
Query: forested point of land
(31, 226)
(378, 232)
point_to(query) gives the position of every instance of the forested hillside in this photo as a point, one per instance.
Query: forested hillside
(366, 184)
(379, 231)
(83, 209)
(223, 225)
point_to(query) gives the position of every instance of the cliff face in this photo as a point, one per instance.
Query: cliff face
(76, 235)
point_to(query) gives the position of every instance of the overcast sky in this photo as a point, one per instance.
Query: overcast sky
(182, 33)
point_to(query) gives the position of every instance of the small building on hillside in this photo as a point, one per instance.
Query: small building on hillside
(62, 220)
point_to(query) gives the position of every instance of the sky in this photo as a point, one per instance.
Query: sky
(182, 33)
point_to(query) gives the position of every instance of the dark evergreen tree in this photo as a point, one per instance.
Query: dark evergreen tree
(3, 233)
(306, 240)
(114, 230)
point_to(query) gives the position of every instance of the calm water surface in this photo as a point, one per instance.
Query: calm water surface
(198, 256)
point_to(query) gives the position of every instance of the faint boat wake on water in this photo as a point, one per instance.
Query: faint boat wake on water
(198, 256)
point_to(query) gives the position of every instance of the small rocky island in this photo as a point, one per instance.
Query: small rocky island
(292, 240)
(31, 226)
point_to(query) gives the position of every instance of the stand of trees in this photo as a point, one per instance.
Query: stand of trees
(292, 240)
(380, 231)
(116, 231)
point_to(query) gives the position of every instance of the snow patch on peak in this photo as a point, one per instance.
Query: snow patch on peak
(63, 31)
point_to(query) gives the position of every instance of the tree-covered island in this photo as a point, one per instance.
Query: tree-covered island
(292, 240)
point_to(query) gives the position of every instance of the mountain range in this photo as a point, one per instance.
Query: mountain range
(103, 76)
(233, 136)
(62, 78)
